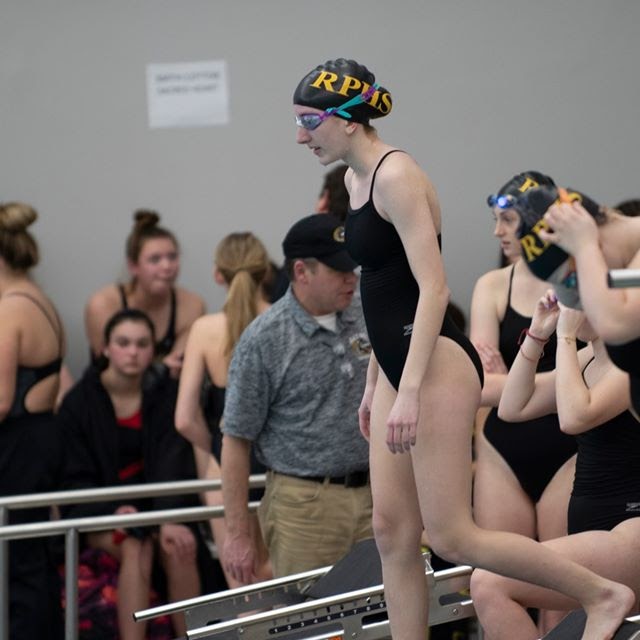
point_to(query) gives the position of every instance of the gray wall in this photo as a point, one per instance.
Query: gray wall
(482, 89)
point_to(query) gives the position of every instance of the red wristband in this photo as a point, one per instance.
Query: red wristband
(526, 332)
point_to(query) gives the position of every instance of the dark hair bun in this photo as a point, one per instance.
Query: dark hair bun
(15, 217)
(145, 218)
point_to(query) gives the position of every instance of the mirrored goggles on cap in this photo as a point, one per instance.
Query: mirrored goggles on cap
(311, 121)
(504, 201)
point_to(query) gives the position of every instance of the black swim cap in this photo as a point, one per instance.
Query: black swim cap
(546, 261)
(509, 192)
(335, 82)
(525, 181)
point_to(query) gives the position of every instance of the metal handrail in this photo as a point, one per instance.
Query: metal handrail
(150, 490)
(71, 528)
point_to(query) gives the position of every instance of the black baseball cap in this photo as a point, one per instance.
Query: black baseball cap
(319, 236)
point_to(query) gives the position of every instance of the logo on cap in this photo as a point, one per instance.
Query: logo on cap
(326, 80)
(529, 183)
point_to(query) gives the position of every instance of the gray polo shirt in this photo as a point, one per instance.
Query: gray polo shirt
(294, 389)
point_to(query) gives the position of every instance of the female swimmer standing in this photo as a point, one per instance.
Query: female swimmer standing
(424, 379)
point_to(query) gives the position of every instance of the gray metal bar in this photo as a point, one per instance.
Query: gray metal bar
(71, 546)
(104, 523)
(621, 278)
(4, 578)
(245, 594)
(115, 493)
(71, 528)
(360, 613)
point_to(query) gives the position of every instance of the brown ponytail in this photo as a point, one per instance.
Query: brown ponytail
(243, 262)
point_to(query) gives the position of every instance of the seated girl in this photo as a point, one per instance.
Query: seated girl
(118, 429)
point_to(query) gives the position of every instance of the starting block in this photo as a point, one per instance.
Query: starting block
(332, 603)
(572, 627)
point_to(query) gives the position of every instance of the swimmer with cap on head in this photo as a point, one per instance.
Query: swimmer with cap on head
(424, 378)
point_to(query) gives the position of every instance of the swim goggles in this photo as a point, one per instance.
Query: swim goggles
(502, 201)
(311, 121)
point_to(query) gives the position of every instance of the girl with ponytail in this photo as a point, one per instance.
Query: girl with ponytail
(241, 266)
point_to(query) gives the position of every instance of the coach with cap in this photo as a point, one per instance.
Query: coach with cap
(295, 382)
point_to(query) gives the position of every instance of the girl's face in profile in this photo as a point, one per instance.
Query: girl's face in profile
(130, 348)
(507, 222)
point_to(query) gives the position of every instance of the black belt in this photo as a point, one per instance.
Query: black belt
(353, 480)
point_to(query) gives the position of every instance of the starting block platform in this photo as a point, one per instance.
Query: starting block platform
(572, 627)
(332, 603)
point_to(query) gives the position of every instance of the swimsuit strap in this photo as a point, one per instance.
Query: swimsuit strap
(584, 369)
(123, 296)
(373, 179)
(56, 326)
(513, 268)
(172, 320)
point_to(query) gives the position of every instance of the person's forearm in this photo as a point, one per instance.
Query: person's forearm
(235, 483)
(520, 384)
(572, 394)
(426, 328)
(372, 371)
(195, 430)
(611, 317)
(492, 389)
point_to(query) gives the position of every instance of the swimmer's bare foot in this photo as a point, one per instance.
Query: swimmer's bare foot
(605, 616)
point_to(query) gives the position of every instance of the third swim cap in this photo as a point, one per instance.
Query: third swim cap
(547, 261)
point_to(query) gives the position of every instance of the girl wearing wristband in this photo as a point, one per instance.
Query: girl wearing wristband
(592, 400)
(614, 244)
(523, 471)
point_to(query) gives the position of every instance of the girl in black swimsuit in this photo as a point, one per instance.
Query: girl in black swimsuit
(419, 406)
(591, 398)
(613, 313)
(153, 260)
(32, 345)
(241, 266)
(524, 470)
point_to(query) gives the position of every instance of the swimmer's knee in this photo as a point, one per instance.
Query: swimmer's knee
(451, 544)
(394, 535)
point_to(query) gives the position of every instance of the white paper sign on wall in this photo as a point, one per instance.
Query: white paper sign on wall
(189, 94)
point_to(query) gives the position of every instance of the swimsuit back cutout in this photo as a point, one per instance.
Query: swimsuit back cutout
(28, 377)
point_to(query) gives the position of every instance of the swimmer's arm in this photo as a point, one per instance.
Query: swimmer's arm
(613, 313)
(99, 308)
(400, 193)
(485, 335)
(372, 371)
(189, 419)
(527, 395)
(581, 408)
(190, 308)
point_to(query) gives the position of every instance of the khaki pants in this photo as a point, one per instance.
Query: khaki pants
(307, 525)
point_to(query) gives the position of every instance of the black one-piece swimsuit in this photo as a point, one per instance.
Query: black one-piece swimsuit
(389, 290)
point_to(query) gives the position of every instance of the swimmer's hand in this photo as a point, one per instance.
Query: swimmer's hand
(402, 423)
(545, 315)
(492, 361)
(364, 412)
(571, 226)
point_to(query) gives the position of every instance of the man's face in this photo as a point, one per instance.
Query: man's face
(328, 290)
